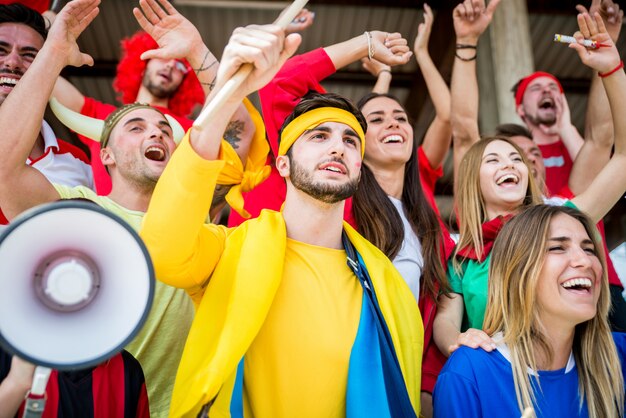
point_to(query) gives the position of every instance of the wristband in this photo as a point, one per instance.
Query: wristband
(614, 70)
(384, 70)
(465, 46)
(456, 54)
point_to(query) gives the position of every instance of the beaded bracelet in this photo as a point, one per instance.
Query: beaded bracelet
(614, 70)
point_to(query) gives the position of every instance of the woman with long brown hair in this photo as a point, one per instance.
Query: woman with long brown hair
(548, 315)
(394, 206)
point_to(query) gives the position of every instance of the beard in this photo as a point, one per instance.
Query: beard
(538, 119)
(157, 90)
(327, 193)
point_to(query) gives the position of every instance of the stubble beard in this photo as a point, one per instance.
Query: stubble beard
(156, 90)
(326, 193)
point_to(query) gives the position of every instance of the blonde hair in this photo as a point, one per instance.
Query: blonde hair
(517, 258)
(470, 203)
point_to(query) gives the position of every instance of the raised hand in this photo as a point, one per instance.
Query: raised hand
(563, 118)
(420, 45)
(265, 47)
(601, 59)
(471, 18)
(71, 21)
(175, 34)
(611, 15)
(390, 48)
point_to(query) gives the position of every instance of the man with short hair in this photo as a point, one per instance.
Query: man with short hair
(542, 106)
(22, 34)
(137, 142)
(298, 315)
(540, 102)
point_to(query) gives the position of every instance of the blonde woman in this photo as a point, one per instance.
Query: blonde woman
(548, 314)
(494, 184)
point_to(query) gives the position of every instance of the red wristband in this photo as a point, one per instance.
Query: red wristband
(614, 70)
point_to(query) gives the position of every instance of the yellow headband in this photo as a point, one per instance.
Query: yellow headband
(313, 118)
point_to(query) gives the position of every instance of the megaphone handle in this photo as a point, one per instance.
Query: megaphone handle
(36, 398)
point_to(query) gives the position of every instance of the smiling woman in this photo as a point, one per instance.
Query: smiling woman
(491, 189)
(552, 333)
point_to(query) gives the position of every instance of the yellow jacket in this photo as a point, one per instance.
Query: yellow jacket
(232, 276)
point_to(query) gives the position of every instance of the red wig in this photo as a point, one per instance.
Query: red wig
(130, 75)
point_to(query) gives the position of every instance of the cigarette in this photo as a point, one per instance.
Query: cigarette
(564, 39)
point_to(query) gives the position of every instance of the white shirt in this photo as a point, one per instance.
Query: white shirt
(60, 162)
(409, 260)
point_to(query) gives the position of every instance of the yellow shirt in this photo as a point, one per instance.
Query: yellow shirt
(298, 362)
(159, 345)
(234, 274)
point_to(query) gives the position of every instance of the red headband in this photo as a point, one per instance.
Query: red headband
(523, 85)
(130, 75)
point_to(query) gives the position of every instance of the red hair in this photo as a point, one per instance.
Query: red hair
(130, 75)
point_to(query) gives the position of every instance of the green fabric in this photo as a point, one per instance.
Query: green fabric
(471, 283)
(159, 345)
(570, 204)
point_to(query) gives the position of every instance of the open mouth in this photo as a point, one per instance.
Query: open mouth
(547, 103)
(578, 284)
(165, 76)
(507, 179)
(393, 139)
(8, 82)
(155, 153)
(334, 167)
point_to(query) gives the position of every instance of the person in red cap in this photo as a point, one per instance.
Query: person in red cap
(540, 102)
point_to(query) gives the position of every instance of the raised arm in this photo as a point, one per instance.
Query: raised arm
(22, 186)
(596, 150)
(304, 72)
(439, 134)
(471, 18)
(610, 184)
(185, 250)
(388, 48)
(381, 71)
(177, 37)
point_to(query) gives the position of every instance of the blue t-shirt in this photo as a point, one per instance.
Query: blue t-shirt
(476, 383)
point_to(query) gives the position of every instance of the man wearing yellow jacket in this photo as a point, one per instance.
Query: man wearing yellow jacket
(297, 314)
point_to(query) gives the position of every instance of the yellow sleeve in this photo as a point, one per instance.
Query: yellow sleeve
(183, 248)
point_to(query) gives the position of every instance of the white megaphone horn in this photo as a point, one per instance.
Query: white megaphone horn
(76, 285)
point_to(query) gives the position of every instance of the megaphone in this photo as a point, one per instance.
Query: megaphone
(76, 285)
